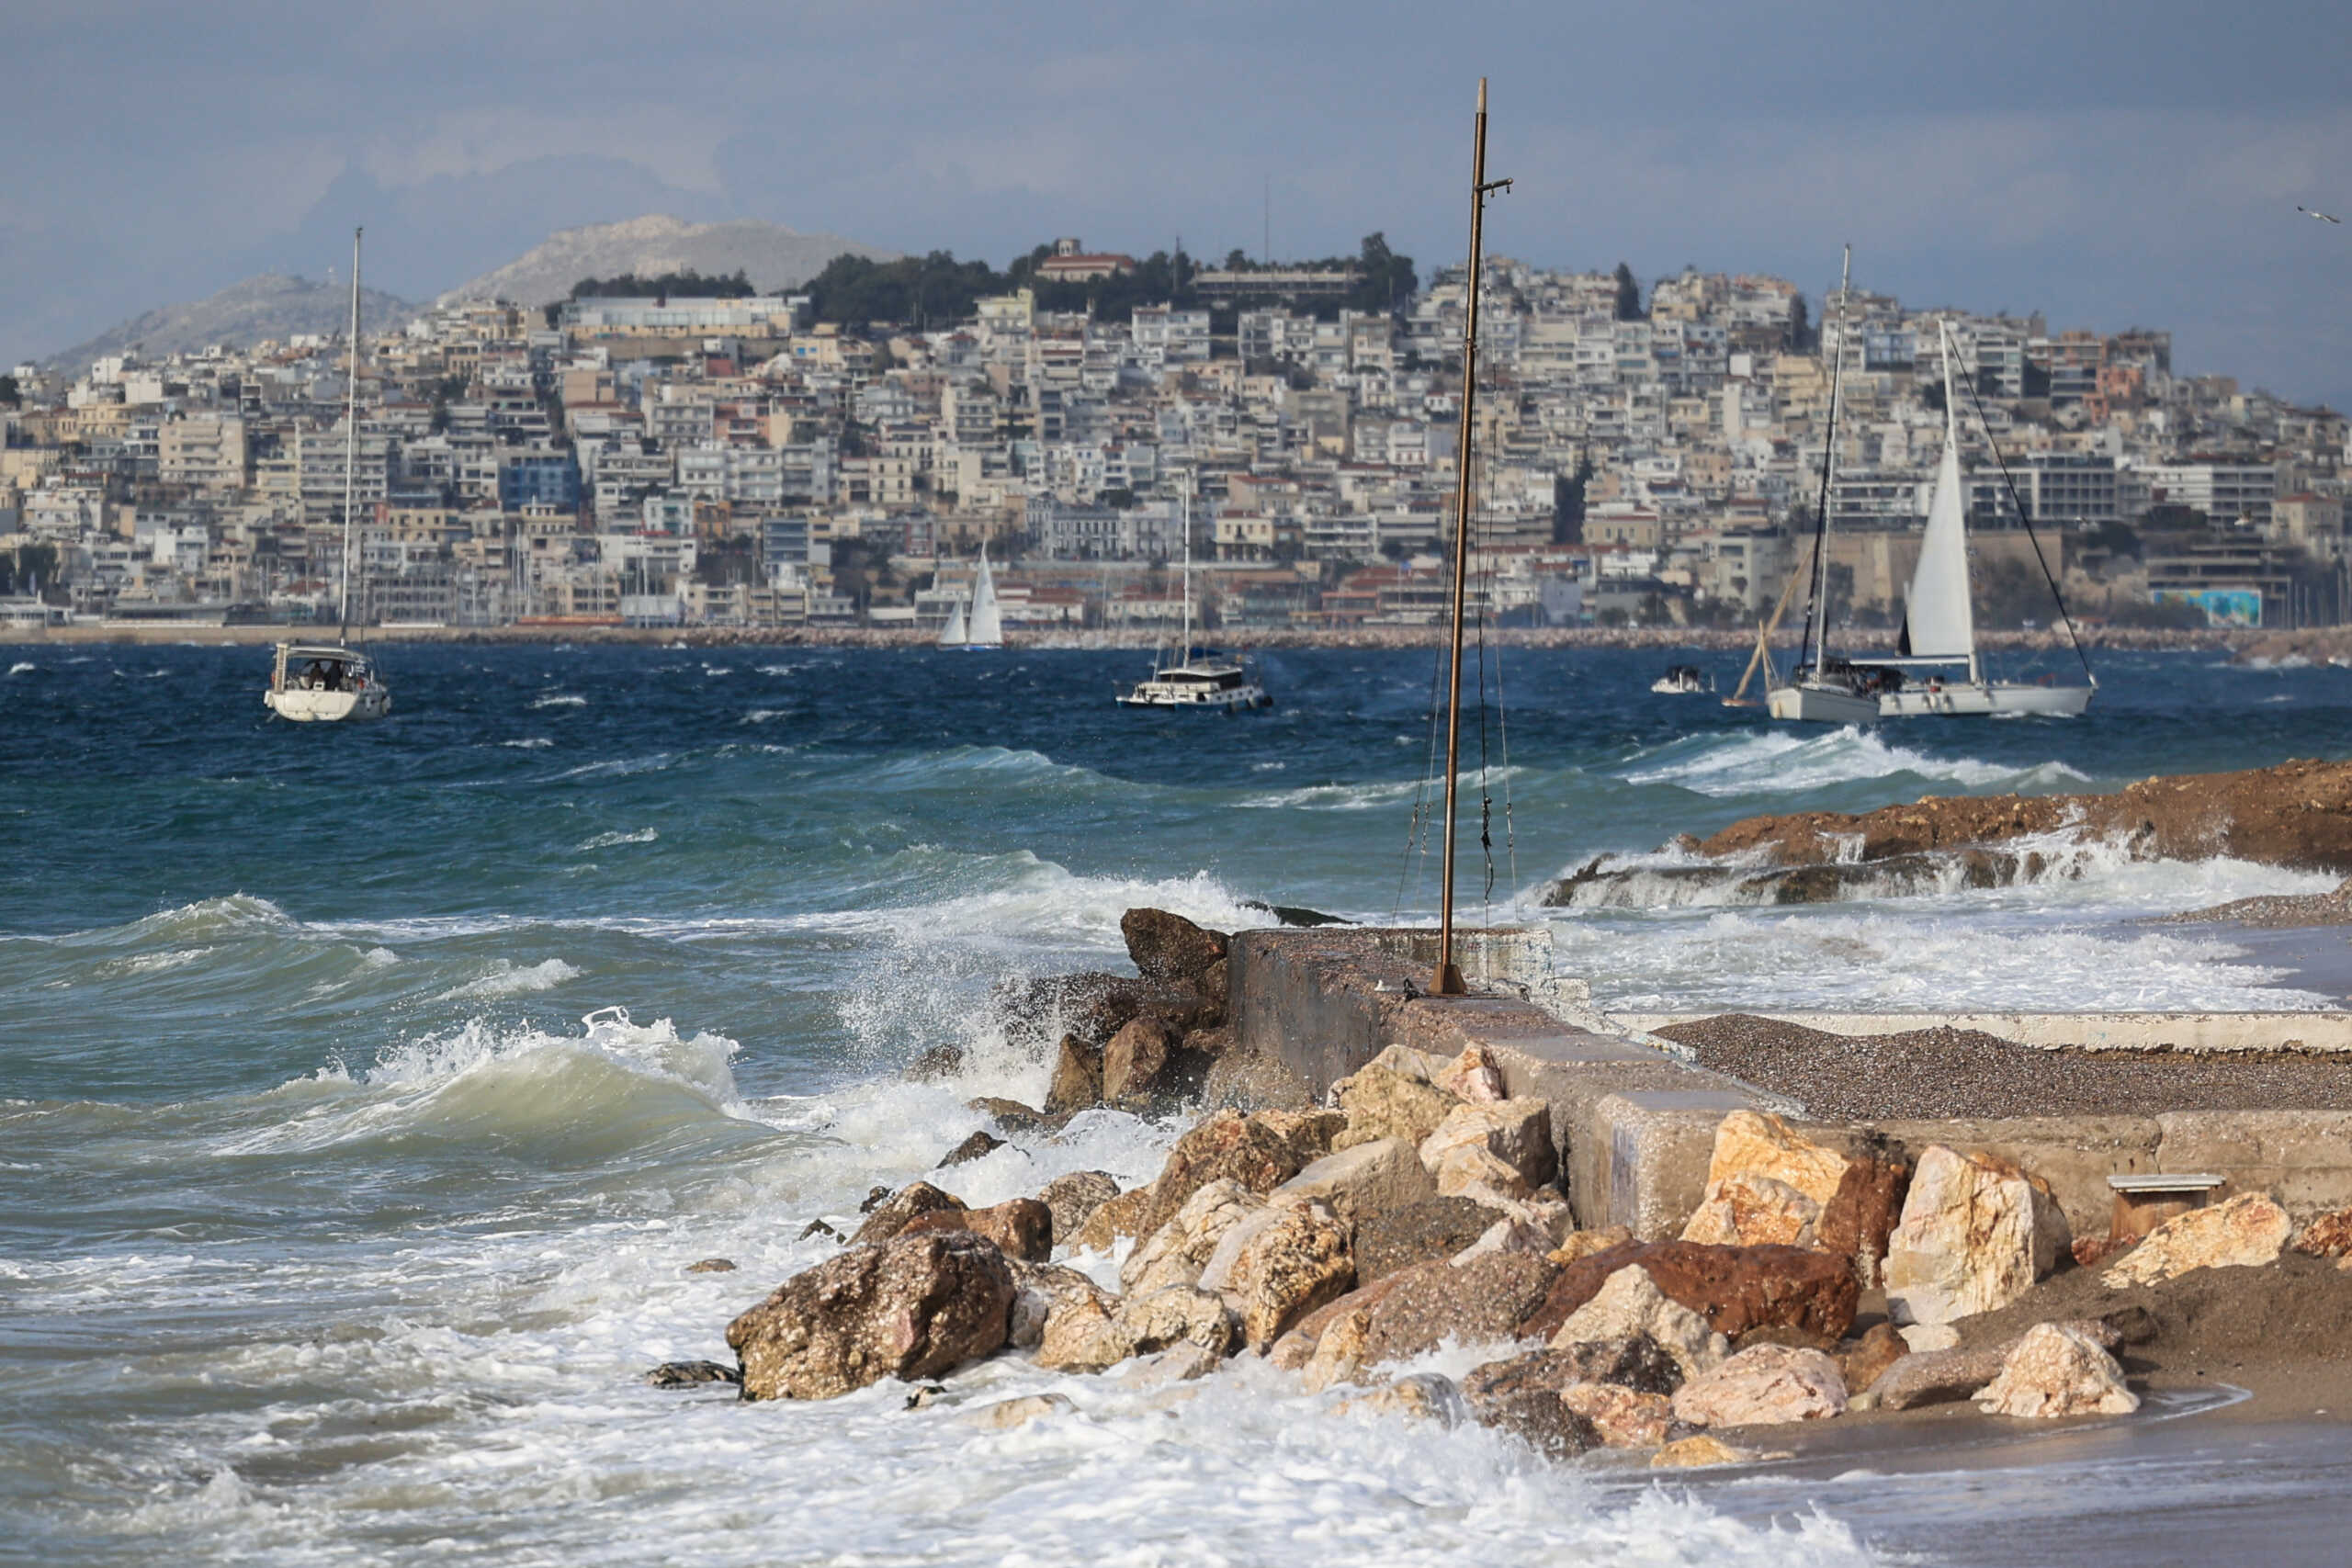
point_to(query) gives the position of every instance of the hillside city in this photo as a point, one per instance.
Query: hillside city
(682, 454)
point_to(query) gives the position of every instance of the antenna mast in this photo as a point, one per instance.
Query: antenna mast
(1448, 980)
(350, 439)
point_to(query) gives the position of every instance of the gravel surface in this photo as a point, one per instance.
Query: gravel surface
(1958, 1072)
(2273, 912)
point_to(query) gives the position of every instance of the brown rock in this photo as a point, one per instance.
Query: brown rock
(716, 1265)
(1212, 1042)
(1072, 1199)
(1215, 986)
(692, 1374)
(1638, 1364)
(1169, 949)
(1735, 1289)
(1693, 1453)
(892, 1215)
(1082, 1333)
(2330, 1235)
(912, 1307)
(1542, 1419)
(980, 1144)
(1021, 1227)
(1625, 1418)
(1488, 1297)
(1864, 1361)
(1121, 1216)
(1311, 1327)
(1295, 1264)
(1424, 1396)
(1629, 1305)
(1015, 1117)
(1936, 1377)
(1134, 1066)
(1389, 1240)
(1041, 1289)
(1578, 1245)
(1177, 1252)
(1261, 1150)
(1154, 1320)
(1381, 1177)
(1336, 1355)
(1472, 1077)
(1078, 1078)
(1861, 1213)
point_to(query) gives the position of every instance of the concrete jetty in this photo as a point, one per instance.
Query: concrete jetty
(1637, 1119)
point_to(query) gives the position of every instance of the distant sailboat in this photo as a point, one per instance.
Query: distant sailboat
(333, 682)
(984, 627)
(1196, 680)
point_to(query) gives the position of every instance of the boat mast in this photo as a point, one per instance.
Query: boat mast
(1952, 439)
(1448, 980)
(350, 439)
(1828, 448)
(1186, 656)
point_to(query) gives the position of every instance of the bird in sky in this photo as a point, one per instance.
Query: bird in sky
(2321, 216)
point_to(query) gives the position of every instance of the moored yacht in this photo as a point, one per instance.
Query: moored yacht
(335, 683)
(1198, 679)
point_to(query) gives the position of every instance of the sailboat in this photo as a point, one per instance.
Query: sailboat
(1938, 621)
(332, 682)
(1823, 689)
(1199, 680)
(984, 627)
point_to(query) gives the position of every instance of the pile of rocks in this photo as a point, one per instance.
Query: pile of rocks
(1422, 1205)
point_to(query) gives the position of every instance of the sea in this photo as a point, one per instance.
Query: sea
(365, 1092)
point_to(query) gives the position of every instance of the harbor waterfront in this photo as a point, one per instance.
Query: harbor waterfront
(367, 1096)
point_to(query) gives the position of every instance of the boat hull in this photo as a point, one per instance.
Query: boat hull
(302, 707)
(1988, 699)
(1820, 705)
(1240, 699)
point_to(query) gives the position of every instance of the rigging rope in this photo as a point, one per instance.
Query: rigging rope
(1417, 832)
(2031, 537)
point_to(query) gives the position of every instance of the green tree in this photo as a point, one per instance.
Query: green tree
(1629, 295)
(685, 281)
(8, 392)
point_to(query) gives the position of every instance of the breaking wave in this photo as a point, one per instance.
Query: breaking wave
(559, 700)
(1774, 763)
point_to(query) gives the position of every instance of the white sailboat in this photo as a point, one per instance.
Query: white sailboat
(984, 627)
(1196, 680)
(1823, 689)
(333, 682)
(1940, 621)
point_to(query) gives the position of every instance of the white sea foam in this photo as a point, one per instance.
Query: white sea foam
(762, 715)
(507, 978)
(715, 669)
(559, 700)
(1775, 763)
(1372, 795)
(606, 840)
(778, 669)
(529, 743)
(23, 667)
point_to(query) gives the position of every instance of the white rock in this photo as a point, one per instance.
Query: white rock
(1007, 1414)
(2247, 1231)
(1630, 1303)
(1177, 1252)
(2057, 1370)
(1976, 1233)
(1763, 1385)
(1516, 1132)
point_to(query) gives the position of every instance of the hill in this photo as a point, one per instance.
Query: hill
(775, 256)
(269, 306)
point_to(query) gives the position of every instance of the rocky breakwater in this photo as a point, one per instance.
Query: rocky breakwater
(2297, 813)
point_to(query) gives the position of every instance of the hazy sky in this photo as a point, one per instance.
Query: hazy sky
(2110, 164)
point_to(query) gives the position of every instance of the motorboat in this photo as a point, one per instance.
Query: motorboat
(1683, 680)
(1196, 680)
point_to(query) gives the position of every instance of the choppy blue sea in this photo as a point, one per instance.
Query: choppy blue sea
(364, 1091)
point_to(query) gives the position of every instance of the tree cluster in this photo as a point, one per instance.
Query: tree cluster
(686, 283)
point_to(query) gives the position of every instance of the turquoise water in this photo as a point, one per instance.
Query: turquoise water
(363, 1093)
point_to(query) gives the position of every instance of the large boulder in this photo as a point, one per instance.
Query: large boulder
(1540, 1418)
(1750, 1143)
(1471, 1077)
(1743, 1209)
(1382, 1177)
(2247, 1231)
(1864, 1361)
(1382, 1102)
(1976, 1233)
(1082, 1333)
(1338, 1354)
(899, 1210)
(910, 1307)
(1861, 1214)
(1625, 1417)
(1517, 1132)
(1072, 1198)
(1169, 949)
(1487, 1299)
(1179, 1250)
(1076, 1083)
(1135, 1065)
(2057, 1370)
(1736, 1288)
(1154, 1320)
(1288, 1269)
(1259, 1151)
(1763, 1386)
(1936, 1377)
(2329, 1235)
(1630, 1305)
(1617, 1392)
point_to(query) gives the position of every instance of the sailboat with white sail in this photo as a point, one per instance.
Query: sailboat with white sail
(1940, 621)
(983, 628)
(1197, 680)
(333, 682)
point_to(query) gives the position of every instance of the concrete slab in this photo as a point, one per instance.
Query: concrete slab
(2073, 1031)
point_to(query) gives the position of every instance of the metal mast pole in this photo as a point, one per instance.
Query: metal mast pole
(1828, 457)
(350, 439)
(1448, 980)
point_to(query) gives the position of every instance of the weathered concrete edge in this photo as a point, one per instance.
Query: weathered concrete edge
(2071, 1030)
